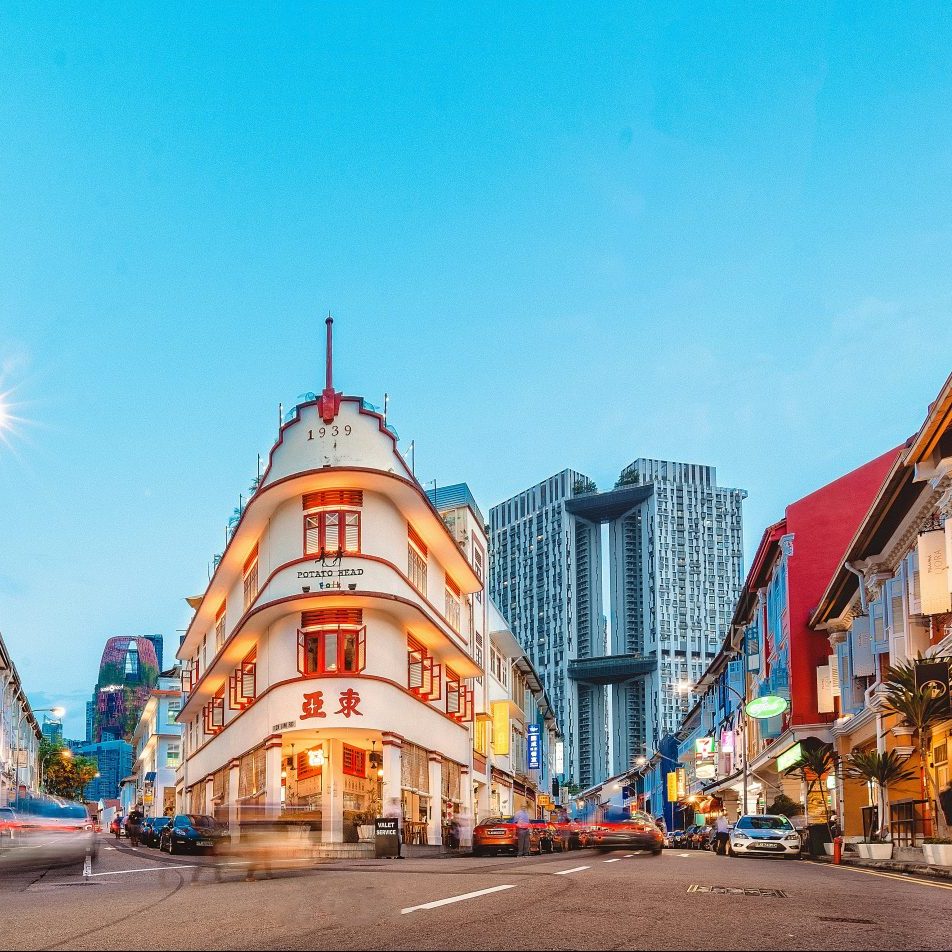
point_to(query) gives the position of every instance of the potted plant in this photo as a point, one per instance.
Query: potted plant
(922, 711)
(879, 771)
(937, 850)
(365, 822)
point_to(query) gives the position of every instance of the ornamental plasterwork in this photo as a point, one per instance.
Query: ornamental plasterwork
(939, 499)
(786, 544)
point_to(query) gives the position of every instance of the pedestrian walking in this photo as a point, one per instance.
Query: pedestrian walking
(521, 819)
(721, 834)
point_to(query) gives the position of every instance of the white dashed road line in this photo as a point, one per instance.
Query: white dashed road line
(575, 869)
(446, 902)
(146, 869)
(617, 859)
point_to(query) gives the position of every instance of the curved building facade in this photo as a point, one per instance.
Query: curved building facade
(328, 664)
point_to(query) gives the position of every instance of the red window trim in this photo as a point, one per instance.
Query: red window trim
(333, 618)
(453, 587)
(319, 634)
(250, 561)
(321, 515)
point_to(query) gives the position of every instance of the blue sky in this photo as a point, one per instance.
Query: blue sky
(557, 237)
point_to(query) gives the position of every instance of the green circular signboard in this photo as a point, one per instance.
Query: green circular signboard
(770, 705)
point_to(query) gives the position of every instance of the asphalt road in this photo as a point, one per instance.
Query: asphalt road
(140, 898)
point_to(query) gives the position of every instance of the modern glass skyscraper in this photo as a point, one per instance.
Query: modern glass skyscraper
(675, 554)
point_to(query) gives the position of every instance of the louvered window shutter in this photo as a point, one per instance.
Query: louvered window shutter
(352, 536)
(331, 531)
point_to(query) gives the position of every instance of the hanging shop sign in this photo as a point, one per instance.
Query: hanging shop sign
(672, 787)
(533, 747)
(501, 728)
(935, 598)
(936, 678)
(770, 705)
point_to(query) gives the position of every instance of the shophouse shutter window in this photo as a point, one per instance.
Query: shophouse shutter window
(251, 578)
(451, 780)
(220, 626)
(415, 770)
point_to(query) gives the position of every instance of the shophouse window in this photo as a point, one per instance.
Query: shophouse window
(416, 560)
(459, 697)
(478, 562)
(173, 755)
(452, 602)
(331, 641)
(214, 712)
(219, 627)
(242, 684)
(332, 521)
(424, 675)
(172, 711)
(251, 577)
(481, 737)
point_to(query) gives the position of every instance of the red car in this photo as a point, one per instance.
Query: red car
(498, 834)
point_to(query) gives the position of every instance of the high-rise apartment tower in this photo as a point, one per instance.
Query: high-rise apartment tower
(675, 553)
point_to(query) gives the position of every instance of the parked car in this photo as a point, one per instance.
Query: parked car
(189, 832)
(499, 834)
(151, 829)
(764, 835)
(699, 837)
(117, 826)
(569, 835)
(637, 831)
(676, 839)
(548, 836)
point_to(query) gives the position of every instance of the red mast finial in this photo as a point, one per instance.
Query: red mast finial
(329, 376)
(329, 403)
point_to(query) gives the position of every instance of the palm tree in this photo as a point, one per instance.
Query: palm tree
(814, 764)
(884, 770)
(921, 711)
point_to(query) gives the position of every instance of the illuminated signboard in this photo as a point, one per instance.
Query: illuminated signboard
(793, 755)
(673, 787)
(768, 706)
(501, 728)
(533, 747)
(704, 746)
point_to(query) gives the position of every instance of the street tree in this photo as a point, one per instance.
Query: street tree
(923, 712)
(815, 763)
(64, 774)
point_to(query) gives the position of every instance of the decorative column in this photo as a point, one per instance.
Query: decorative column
(332, 798)
(272, 773)
(231, 798)
(434, 830)
(466, 821)
(392, 795)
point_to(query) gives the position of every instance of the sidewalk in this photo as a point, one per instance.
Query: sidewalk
(892, 866)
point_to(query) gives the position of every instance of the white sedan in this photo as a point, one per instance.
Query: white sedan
(762, 834)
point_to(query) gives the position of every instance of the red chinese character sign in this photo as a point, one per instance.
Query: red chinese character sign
(313, 705)
(349, 700)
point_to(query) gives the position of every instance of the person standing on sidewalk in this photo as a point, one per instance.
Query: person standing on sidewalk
(521, 819)
(721, 834)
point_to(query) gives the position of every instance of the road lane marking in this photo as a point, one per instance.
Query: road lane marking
(575, 869)
(684, 854)
(617, 859)
(628, 855)
(446, 902)
(902, 877)
(147, 869)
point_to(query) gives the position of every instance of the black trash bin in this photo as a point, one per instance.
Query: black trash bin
(817, 835)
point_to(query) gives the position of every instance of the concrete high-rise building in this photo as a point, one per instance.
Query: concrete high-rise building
(675, 552)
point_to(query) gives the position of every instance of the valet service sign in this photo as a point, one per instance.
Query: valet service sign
(330, 573)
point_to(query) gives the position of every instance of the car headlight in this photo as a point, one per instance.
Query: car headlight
(792, 838)
(740, 836)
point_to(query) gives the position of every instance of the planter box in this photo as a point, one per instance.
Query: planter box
(874, 850)
(937, 854)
